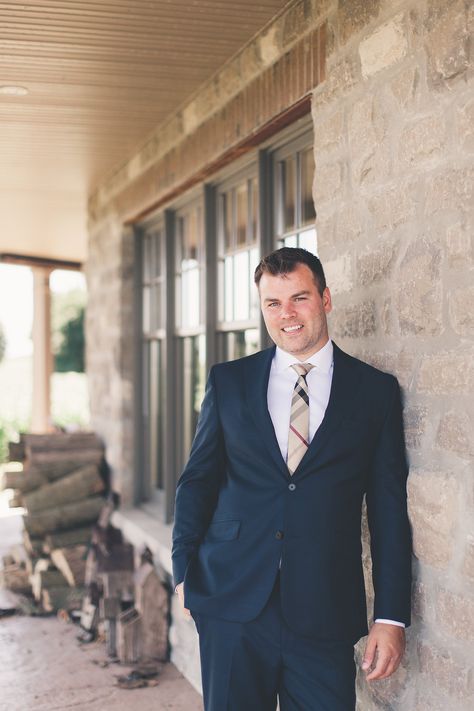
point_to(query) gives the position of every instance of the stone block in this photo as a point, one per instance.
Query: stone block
(468, 560)
(372, 168)
(329, 133)
(461, 310)
(375, 265)
(423, 139)
(340, 78)
(456, 434)
(354, 321)
(349, 223)
(418, 289)
(354, 15)
(392, 207)
(465, 119)
(455, 614)
(339, 274)
(459, 246)
(328, 183)
(404, 86)
(433, 506)
(366, 125)
(386, 317)
(415, 419)
(270, 45)
(386, 46)
(453, 675)
(447, 43)
(447, 373)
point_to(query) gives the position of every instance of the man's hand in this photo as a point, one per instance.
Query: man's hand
(180, 593)
(384, 650)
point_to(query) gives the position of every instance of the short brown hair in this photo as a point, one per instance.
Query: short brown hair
(286, 259)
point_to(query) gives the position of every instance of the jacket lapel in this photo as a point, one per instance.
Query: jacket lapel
(344, 391)
(256, 383)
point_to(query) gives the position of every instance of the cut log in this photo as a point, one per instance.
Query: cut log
(152, 602)
(24, 480)
(74, 537)
(54, 465)
(117, 557)
(80, 484)
(43, 564)
(72, 563)
(16, 451)
(8, 559)
(46, 580)
(15, 578)
(33, 545)
(60, 441)
(128, 636)
(62, 598)
(63, 517)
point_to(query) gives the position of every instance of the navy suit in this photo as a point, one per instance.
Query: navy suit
(239, 513)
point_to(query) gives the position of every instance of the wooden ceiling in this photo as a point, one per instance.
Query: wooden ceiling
(100, 75)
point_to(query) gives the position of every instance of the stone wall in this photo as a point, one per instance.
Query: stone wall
(394, 139)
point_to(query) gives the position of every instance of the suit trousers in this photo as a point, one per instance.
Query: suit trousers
(248, 666)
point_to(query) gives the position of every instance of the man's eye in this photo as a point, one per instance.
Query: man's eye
(300, 298)
(274, 303)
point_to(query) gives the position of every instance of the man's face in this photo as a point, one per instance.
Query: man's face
(294, 311)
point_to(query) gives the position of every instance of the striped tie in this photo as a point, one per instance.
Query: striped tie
(298, 436)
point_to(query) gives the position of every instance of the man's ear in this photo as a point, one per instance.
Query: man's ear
(327, 300)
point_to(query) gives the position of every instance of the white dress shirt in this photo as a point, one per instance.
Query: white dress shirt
(281, 384)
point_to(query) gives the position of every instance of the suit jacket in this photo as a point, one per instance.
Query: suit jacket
(239, 512)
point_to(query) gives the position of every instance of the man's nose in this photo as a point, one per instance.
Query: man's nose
(288, 311)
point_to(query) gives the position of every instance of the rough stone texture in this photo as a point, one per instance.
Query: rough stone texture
(422, 140)
(466, 125)
(459, 246)
(456, 434)
(386, 46)
(453, 188)
(393, 206)
(338, 274)
(375, 265)
(453, 675)
(328, 181)
(356, 14)
(447, 43)
(433, 504)
(455, 613)
(461, 310)
(468, 562)
(447, 373)
(354, 321)
(415, 420)
(404, 86)
(419, 290)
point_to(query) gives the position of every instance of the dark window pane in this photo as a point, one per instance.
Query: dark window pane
(242, 214)
(308, 214)
(289, 189)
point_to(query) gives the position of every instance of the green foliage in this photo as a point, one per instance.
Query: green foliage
(70, 355)
(68, 331)
(3, 343)
(9, 432)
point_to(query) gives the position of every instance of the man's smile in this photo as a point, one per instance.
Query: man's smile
(292, 329)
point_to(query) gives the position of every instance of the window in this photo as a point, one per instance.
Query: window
(189, 323)
(238, 255)
(153, 291)
(294, 207)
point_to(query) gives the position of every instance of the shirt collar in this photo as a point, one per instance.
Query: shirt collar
(322, 359)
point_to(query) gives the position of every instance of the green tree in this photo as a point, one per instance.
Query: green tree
(70, 353)
(67, 315)
(3, 343)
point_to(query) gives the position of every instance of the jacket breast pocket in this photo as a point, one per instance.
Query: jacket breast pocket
(222, 531)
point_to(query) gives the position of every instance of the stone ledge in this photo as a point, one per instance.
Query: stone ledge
(142, 528)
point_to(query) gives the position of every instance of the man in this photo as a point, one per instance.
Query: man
(267, 544)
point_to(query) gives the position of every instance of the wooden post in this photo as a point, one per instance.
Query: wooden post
(42, 358)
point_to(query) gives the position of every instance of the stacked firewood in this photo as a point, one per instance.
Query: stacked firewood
(61, 487)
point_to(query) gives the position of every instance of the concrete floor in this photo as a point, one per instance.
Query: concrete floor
(44, 668)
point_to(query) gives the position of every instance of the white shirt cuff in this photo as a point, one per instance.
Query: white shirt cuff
(390, 622)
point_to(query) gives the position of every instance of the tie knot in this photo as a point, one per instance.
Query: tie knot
(302, 368)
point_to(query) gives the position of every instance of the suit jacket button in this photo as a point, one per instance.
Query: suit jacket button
(292, 487)
(279, 535)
